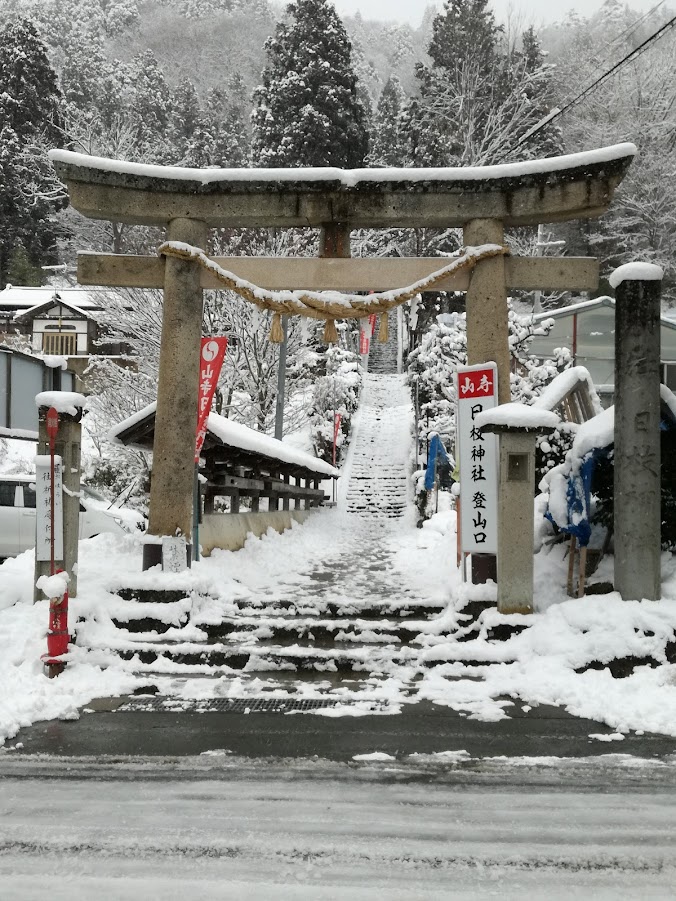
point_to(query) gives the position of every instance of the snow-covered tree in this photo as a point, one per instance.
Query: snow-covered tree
(479, 96)
(307, 110)
(433, 364)
(30, 122)
(387, 145)
(636, 104)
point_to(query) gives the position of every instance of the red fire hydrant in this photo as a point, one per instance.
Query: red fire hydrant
(57, 635)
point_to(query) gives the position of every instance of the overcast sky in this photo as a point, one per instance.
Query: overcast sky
(536, 12)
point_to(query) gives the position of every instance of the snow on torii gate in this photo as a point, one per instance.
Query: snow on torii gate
(188, 202)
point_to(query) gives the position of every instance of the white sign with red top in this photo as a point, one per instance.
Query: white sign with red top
(364, 336)
(212, 354)
(477, 390)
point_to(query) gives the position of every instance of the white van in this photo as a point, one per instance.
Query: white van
(17, 515)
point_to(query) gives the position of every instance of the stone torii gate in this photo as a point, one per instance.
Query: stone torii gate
(482, 201)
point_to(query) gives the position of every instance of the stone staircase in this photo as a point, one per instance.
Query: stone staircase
(379, 485)
(383, 357)
(345, 630)
(264, 646)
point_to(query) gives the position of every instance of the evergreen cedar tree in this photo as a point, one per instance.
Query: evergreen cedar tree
(478, 97)
(30, 120)
(307, 111)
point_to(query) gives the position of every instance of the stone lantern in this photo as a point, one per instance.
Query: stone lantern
(517, 426)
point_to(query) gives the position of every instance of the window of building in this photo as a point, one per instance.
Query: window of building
(59, 344)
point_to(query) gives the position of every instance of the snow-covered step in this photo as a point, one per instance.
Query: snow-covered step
(379, 485)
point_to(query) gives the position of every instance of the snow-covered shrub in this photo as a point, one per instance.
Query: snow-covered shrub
(336, 392)
(433, 364)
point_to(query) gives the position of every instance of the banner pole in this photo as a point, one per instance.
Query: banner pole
(196, 514)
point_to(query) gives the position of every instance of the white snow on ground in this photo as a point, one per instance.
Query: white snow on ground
(367, 551)
(538, 666)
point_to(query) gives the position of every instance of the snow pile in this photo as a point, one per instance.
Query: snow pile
(636, 272)
(69, 402)
(518, 416)
(54, 586)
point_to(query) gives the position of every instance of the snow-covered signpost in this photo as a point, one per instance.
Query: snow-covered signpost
(476, 391)
(67, 447)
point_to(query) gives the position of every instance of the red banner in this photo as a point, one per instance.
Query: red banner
(364, 341)
(373, 319)
(212, 354)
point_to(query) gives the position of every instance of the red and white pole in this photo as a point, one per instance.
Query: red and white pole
(52, 431)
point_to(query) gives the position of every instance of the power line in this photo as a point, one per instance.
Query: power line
(634, 54)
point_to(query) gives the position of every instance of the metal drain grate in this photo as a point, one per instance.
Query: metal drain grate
(227, 705)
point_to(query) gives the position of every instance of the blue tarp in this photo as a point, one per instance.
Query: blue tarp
(578, 495)
(436, 451)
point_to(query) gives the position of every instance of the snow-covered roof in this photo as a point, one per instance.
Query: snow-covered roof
(54, 301)
(234, 434)
(13, 297)
(586, 305)
(349, 177)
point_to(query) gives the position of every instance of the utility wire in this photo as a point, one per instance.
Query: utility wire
(634, 54)
(631, 28)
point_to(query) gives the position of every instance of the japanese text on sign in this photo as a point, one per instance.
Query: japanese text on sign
(478, 458)
(212, 354)
(43, 509)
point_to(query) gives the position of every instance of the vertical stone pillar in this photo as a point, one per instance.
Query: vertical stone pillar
(487, 331)
(516, 497)
(68, 446)
(171, 489)
(637, 519)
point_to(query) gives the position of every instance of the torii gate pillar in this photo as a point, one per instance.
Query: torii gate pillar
(487, 328)
(171, 486)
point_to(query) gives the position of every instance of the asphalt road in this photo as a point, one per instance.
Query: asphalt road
(419, 728)
(218, 827)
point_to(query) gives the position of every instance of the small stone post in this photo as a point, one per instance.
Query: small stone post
(518, 426)
(637, 486)
(68, 446)
(171, 486)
